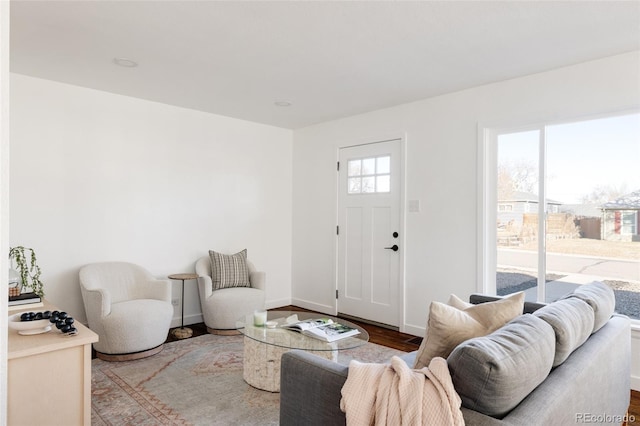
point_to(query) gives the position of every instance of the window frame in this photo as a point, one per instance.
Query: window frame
(487, 158)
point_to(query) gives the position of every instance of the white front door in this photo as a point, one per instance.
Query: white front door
(369, 239)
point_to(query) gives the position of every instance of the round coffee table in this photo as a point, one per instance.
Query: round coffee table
(263, 347)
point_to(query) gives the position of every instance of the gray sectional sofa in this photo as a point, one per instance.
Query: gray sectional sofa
(552, 375)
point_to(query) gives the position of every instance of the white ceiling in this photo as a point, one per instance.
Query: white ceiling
(330, 59)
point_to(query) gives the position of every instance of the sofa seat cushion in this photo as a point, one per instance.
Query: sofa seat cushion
(572, 321)
(601, 298)
(451, 324)
(494, 373)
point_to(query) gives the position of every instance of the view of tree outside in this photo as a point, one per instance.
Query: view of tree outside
(591, 177)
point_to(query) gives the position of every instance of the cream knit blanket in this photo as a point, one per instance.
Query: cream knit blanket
(383, 394)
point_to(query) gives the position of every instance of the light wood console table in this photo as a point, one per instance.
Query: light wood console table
(49, 376)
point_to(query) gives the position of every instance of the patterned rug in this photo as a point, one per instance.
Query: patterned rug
(196, 381)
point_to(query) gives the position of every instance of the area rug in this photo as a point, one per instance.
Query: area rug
(196, 381)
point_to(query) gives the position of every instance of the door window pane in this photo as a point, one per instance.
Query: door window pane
(383, 165)
(369, 175)
(383, 183)
(368, 184)
(368, 166)
(354, 185)
(354, 167)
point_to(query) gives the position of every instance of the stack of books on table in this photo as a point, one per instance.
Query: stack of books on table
(25, 301)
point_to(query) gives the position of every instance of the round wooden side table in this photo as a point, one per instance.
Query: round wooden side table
(182, 332)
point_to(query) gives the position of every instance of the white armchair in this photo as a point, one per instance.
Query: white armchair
(127, 307)
(221, 308)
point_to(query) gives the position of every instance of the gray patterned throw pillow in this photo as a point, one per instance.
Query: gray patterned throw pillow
(229, 270)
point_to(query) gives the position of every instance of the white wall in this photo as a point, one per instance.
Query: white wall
(102, 177)
(441, 171)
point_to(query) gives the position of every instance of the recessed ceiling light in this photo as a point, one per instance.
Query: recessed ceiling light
(124, 62)
(282, 103)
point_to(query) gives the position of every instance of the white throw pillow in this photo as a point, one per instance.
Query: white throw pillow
(449, 325)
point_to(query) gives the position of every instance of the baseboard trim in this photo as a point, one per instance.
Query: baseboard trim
(367, 321)
(271, 304)
(198, 317)
(188, 319)
(413, 329)
(306, 304)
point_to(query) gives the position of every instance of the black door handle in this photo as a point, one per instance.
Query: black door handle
(393, 247)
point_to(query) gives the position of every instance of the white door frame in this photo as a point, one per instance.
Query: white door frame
(402, 137)
(4, 200)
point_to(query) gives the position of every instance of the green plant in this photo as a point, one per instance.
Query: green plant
(28, 268)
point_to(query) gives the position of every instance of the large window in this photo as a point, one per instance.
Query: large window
(574, 189)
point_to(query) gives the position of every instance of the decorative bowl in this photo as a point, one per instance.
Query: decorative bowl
(271, 324)
(28, 327)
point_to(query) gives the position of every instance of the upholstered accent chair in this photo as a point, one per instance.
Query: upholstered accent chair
(127, 307)
(222, 307)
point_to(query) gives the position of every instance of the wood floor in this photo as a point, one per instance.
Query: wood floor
(394, 339)
(634, 407)
(378, 335)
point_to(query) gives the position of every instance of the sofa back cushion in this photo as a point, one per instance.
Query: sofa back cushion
(600, 297)
(494, 373)
(572, 321)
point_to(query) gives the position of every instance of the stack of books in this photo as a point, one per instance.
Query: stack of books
(25, 301)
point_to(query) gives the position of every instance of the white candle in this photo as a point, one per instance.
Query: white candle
(259, 318)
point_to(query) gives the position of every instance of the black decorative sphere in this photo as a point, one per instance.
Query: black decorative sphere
(62, 320)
